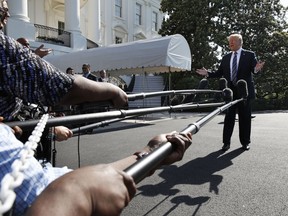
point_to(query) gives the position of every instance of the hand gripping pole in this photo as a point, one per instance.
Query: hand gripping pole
(140, 169)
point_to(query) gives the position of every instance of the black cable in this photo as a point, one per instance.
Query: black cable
(54, 151)
(78, 149)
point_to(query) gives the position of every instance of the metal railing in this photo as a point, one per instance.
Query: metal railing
(51, 35)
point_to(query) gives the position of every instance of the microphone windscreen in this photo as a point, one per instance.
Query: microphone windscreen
(203, 84)
(242, 88)
(227, 95)
(222, 83)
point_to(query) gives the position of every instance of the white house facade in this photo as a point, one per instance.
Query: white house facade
(72, 25)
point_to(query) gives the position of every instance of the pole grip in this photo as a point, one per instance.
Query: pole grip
(141, 168)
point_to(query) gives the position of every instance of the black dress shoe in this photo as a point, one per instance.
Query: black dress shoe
(246, 147)
(225, 147)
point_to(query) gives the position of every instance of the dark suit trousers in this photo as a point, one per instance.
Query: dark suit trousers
(244, 118)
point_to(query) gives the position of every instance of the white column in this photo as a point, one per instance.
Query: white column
(72, 24)
(72, 15)
(148, 20)
(94, 15)
(109, 34)
(18, 9)
(19, 23)
(131, 20)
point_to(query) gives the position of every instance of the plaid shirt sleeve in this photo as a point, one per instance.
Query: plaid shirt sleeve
(25, 75)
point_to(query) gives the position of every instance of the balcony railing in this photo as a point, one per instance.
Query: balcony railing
(52, 35)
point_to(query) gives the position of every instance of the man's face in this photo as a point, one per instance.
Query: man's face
(234, 43)
(4, 14)
(24, 42)
(103, 74)
(70, 71)
(85, 69)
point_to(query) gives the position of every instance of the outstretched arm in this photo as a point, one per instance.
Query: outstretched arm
(100, 189)
(94, 190)
(85, 90)
(180, 142)
(41, 51)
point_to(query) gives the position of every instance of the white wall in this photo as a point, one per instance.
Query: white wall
(100, 28)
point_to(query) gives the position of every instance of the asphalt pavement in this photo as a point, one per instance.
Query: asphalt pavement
(207, 182)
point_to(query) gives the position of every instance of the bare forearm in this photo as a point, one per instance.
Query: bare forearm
(85, 90)
(128, 161)
(92, 190)
(66, 199)
(124, 163)
(101, 189)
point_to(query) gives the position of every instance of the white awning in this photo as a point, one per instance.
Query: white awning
(165, 54)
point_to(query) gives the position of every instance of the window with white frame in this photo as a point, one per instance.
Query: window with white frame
(154, 21)
(120, 34)
(138, 14)
(118, 8)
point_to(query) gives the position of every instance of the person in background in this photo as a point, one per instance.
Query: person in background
(102, 77)
(236, 65)
(70, 70)
(40, 51)
(87, 72)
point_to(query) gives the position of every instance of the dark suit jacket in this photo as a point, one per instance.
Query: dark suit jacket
(246, 68)
(92, 77)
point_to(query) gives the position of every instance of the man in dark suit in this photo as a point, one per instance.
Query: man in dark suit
(236, 65)
(87, 73)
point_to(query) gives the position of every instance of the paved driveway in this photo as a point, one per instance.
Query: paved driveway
(207, 182)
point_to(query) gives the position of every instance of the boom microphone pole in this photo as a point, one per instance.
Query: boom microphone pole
(226, 95)
(143, 166)
(143, 95)
(138, 96)
(99, 124)
(222, 83)
(96, 117)
(222, 86)
(203, 84)
(132, 97)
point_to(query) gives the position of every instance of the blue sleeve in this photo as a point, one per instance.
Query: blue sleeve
(36, 178)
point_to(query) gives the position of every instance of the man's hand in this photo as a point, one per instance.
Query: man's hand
(116, 188)
(179, 141)
(121, 99)
(41, 51)
(16, 130)
(62, 133)
(203, 71)
(259, 66)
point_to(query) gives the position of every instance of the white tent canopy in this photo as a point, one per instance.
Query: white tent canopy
(165, 54)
